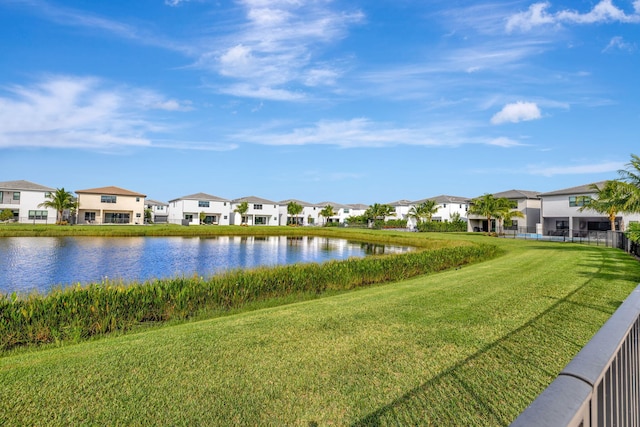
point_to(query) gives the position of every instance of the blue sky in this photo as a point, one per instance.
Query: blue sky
(349, 101)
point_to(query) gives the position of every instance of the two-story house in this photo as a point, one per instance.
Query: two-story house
(260, 211)
(159, 211)
(200, 208)
(308, 216)
(528, 203)
(562, 213)
(24, 199)
(110, 205)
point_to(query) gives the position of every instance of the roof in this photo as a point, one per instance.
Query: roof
(580, 189)
(152, 202)
(402, 202)
(332, 204)
(300, 202)
(24, 185)
(116, 191)
(254, 199)
(517, 194)
(443, 198)
(201, 196)
(358, 206)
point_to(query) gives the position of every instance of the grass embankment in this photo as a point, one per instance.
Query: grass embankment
(77, 313)
(464, 347)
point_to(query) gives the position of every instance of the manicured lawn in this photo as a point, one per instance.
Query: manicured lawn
(464, 347)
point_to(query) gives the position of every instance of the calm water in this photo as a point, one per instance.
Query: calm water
(38, 263)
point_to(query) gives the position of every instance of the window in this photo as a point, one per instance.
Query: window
(225, 217)
(189, 217)
(562, 225)
(38, 214)
(89, 216)
(203, 204)
(346, 210)
(444, 205)
(257, 207)
(137, 199)
(578, 200)
(107, 199)
(116, 218)
(138, 215)
(261, 220)
(16, 195)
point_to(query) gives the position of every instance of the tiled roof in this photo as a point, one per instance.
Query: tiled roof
(443, 198)
(580, 189)
(201, 196)
(152, 202)
(254, 199)
(24, 185)
(300, 202)
(116, 191)
(517, 194)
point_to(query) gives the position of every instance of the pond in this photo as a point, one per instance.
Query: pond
(38, 263)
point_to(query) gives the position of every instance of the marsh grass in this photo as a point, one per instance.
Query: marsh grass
(80, 312)
(470, 346)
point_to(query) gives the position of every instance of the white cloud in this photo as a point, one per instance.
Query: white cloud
(576, 169)
(277, 46)
(505, 142)
(77, 112)
(517, 112)
(618, 43)
(603, 11)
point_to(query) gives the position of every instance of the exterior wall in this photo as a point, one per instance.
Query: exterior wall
(159, 213)
(268, 214)
(218, 211)
(308, 217)
(447, 210)
(28, 201)
(92, 204)
(559, 217)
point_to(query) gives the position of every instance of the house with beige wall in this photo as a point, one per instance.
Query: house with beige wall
(528, 203)
(110, 205)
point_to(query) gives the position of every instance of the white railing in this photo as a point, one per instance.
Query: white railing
(601, 385)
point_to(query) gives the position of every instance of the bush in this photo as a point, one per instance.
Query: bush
(76, 313)
(433, 226)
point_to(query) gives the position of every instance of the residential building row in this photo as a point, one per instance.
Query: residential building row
(552, 213)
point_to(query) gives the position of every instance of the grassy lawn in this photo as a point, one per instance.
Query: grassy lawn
(472, 346)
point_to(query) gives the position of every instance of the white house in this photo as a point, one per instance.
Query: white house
(23, 199)
(561, 213)
(341, 212)
(447, 208)
(308, 216)
(213, 210)
(159, 211)
(402, 208)
(260, 211)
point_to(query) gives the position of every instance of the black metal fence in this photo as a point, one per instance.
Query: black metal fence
(601, 385)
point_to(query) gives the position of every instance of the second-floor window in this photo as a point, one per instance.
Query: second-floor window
(16, 195)
(107, 199)
(578, 200)
(257, 207)
(203, 204)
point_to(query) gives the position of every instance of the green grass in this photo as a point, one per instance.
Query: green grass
(472, 346)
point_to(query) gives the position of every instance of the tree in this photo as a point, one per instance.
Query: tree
(631, 176)
(327, 212)
(294, 209)
(489, 207)
(59, 200)
(506, 212)
(379, 211)
(610, 199)
(242, 209)
(6, 215)
(424, 211)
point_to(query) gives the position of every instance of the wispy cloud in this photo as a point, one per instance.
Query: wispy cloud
(575, 169)
(276, 47)
(604, 11)
(517, 112)
(80, 112)
(618, 43)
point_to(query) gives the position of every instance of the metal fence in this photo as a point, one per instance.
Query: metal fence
(601, 385)
(611, 239)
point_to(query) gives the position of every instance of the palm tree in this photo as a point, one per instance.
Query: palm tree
(294, 209)
(485, 206)
(631, 176)
(327, 212)
(59, 200)
(610, 199)
(506, 212)
(379, 212)
(242, 209)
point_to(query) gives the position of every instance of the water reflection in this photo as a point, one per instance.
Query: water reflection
(38, 263)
